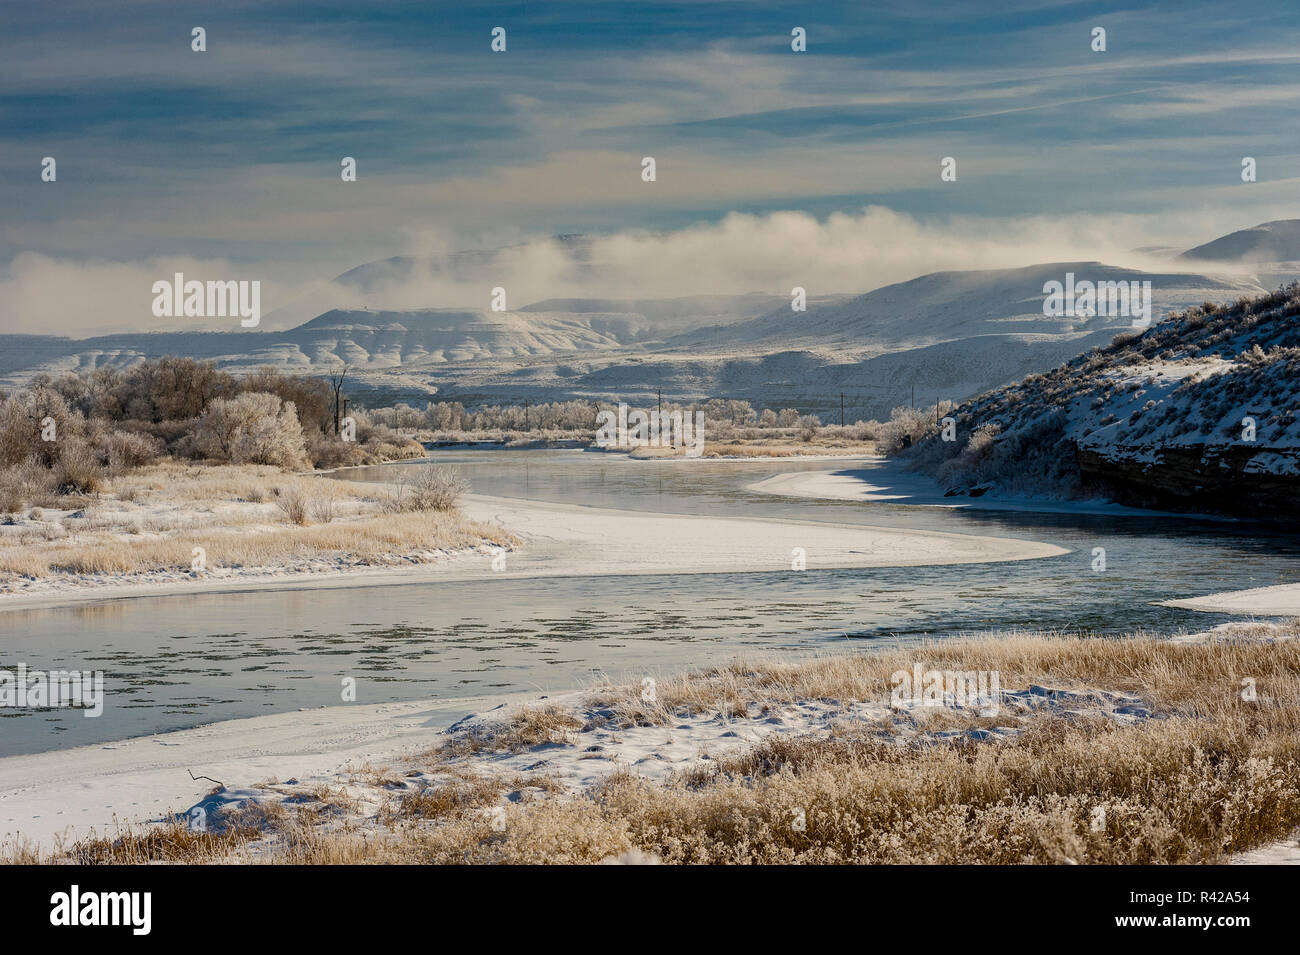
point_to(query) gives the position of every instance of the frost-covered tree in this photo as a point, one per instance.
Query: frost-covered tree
(252, 428)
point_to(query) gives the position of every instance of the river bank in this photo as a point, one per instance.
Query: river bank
(789, 747)
(505, 537)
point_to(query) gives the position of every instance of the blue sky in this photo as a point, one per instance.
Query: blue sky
(232, 155)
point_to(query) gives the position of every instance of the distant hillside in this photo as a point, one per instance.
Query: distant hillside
(371, 338)
(947, 306)
(660, 318)
(374, 340)
(1198, 412)
(810, 379)
(366, 340)
(946, 335)
(1268, 242)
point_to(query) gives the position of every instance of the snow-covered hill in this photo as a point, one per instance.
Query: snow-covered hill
(946, 335)
(1267, 242)
(1199, 411)
(947, 306)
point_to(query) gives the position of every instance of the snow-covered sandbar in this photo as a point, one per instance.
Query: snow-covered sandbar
(563, 540)
(885, 481)
(1280, 601)
(70, 792)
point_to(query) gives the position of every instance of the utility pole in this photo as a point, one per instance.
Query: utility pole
(661, 404)
(841, 409)
(914, 397)
(526, 427)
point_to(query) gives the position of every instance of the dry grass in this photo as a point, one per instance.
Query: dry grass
(1211, 774)
(242, 516)
(436, 487)
(177, 481)
(379, 540)
(532, 726)
(294, 504)
(466, 793)
(1193, 678)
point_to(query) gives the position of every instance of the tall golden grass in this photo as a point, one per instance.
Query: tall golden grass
(378, 539)
(242, 516)
(1209, 775)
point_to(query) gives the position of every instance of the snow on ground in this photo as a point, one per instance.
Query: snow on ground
(305, 573)
(1283, 852)
(359, 758)
(363, 754)
(1280, 601)
(1215, 383)
(1239, 631)
(885, 481)
(71, 791)
(693, 741)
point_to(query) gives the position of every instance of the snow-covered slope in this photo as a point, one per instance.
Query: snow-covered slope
(1268, 242)
(946, 306)
(1199, 410)
(372, 340)
(360, 338)
(946, 335)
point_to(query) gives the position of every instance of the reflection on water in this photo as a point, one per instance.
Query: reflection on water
(181, 661)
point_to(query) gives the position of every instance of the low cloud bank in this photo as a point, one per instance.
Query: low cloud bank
(841, 254)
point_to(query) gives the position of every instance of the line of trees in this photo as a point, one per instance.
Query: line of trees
(575, 416)
(65, 434)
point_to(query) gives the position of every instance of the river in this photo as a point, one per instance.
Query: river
(175, 662)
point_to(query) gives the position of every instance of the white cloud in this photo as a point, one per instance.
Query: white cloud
(841, 254)
(40, 295)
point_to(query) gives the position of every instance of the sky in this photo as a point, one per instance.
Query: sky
(771, 166)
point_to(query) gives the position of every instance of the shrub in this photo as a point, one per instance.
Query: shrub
(434, 488)
(911, 424)
(293, 502)
(22, 421)
(164, 389)
(77, 470)
(310, 397)
(329, 451)
(24, 484)
(123, 450)
(981, 442)
(253, 428)
(322, 508)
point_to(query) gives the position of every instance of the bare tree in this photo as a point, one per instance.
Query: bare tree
(336, 386)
